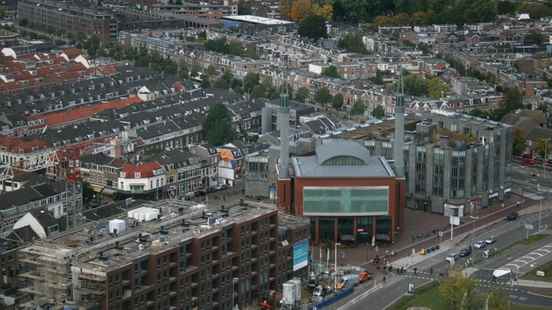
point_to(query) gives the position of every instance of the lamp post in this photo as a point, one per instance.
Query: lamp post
(335, 269)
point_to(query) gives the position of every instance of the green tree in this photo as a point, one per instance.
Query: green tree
(313, 27)
(211, 71)
(378, 112)
(259, 91)
(302, 94)
(244, 7)
(358, 108)
(337, 101)
(225, 80)
(534, 37)
(498, 300)
(415, 85)
(543, 147)
(513, 100)
(352, 42)
(218, 125)
(330, 71)
(436, 88)
(250, 80)
(458, 291)
(323, 96)
(520, 143)
(183, 71)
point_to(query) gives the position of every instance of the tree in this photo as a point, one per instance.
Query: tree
(244, 7)
(543, 147)
(302, 94)
(225, 80)
(323, 96)
(352, 42)
(498, 300)
(258, 91)
(330, 71)
(218, 125)
(211, 71)
(313, 27)
(415, 85)
(358, 108)
(513, 100)
(183, 71)
(436, 88)
(300, 9)
(337, 101)
(250, 80)
(520, 143)
(378, 112)
(534, 37)
(324, 10)
(458, 291)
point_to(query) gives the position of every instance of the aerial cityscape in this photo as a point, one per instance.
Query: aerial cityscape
(276, 154)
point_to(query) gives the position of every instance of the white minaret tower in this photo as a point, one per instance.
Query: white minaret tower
(283, 125)
(398, 140)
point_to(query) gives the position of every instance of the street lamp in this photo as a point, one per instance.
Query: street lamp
(335, 269)
(474, 218)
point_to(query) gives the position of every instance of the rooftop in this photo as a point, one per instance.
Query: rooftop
(341, 159)
(258, 20)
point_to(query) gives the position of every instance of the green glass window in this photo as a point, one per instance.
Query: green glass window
(346, 200)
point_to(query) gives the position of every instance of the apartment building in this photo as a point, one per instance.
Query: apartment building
(192, 258)
(60, 17)
(62, 199)
(449, 158)
(25, 154)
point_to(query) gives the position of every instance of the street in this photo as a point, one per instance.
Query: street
(507, 234)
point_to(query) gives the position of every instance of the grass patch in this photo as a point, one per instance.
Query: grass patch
(532, 239)
(428, 296)
(532, 275)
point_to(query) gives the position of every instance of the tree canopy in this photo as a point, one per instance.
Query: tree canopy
(313, 27)
(218, 125)
(323, 96)
(337, 101)
(352, 42)
(358, 108)
(330, 71)
(302, 94)
(378, 112)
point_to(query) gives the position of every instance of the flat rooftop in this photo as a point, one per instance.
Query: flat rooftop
(341, 159)
(99, 250)
(252, 19)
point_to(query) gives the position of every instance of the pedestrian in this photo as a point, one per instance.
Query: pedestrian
(415, 270)
(384, 279)
(431, 271)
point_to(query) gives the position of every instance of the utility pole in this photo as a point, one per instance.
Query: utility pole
(335, 276)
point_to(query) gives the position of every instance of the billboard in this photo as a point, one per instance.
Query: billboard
(300, 254)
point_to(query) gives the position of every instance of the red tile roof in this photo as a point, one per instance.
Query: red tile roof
(146, 170)
(21, 145)
(84, 112)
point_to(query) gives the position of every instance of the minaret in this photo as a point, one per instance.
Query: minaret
(398, 141)
(283, 125)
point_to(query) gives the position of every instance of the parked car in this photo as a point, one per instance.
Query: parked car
(512, 216)
(481, 244)
(466, 252)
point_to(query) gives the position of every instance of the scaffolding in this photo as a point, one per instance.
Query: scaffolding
(46, 274)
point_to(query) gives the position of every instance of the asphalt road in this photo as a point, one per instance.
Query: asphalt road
(506, 233)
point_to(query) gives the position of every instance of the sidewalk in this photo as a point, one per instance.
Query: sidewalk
(531, 283)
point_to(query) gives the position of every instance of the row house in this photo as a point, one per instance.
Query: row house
(25, 154)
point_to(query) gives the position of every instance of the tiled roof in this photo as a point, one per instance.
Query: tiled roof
(21, 145)
(146, 170)
(84, 112)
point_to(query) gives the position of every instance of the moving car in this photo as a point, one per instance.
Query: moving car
(452, 258)
(466, 252)
(490, 240)
(481, 244)
(512, 216)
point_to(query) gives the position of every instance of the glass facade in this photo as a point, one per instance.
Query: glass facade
(420, 169)
(457, 186)
(438, 171)
(346, 200)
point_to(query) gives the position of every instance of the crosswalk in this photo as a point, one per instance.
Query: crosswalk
(491, 284)
(529, 258)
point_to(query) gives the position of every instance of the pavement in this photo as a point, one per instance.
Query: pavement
(432, 267)
(531, 283)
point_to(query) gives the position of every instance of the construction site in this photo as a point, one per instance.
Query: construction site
(165, 255)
